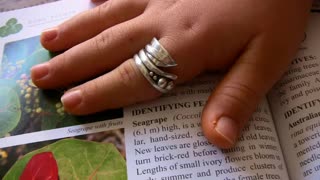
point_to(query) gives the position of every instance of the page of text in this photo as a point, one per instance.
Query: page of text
(295, 104)
(164, 141)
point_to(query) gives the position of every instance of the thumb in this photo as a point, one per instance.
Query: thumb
(236, 97)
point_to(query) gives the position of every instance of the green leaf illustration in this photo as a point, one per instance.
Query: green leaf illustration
(17, 28)
(10, 84)
(10, 110)
(78, 159)
(39, 56)
(11, 27)
(50, 121)
(4, 31)
(3, 28)
(53, 115)
(11, 22)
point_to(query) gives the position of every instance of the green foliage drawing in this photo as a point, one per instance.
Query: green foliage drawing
(78, 159)
(10, 109)
(39, 56)
(40, 110)
(11, 27)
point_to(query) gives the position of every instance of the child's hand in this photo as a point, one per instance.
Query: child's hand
(254, 40)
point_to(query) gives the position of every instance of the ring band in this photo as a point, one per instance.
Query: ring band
(156, 50)
(146, 61)
(149, 59)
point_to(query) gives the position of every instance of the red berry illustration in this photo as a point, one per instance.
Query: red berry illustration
(41, 166)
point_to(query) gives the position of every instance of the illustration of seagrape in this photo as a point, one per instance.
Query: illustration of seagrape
(11, 27)
(39, 56)
(79, 159)
(10, 108)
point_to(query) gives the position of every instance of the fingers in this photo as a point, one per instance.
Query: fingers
(236, 97)
(123, 86)
(86, 25)
(93, 57)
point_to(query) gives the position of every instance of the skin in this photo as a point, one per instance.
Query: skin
(253, 41)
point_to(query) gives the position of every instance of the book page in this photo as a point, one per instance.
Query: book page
(33, 122)
(295, 104)
(157, 140)
(25, 109)
(6, 5)
(164, 141)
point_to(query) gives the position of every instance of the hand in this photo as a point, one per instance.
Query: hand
(253, 40)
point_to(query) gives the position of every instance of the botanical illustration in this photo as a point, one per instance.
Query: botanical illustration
(71, 159)
(11, 27)
(23, 107)
(92, 156)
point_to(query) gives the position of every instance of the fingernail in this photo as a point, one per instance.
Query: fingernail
(39, 71)
(49, 34)
(228, 129)
(71, 99)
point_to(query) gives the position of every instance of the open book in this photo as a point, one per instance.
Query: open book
(159, 140)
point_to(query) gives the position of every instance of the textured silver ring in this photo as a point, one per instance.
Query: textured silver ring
(150, 62)
(156, 50)
(146, 61)
(156, 61)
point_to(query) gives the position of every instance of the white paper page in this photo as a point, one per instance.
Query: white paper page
(33, 21)
(295, 104)
(164, 141)
(8, 5)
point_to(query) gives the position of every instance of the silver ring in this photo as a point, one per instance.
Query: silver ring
(160, 83)
(156, 61)
(148, 63)
(156, 50)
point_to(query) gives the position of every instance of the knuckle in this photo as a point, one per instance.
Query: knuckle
(103, 9)
(58, 64)
(109, 10)
(240, 94)
(128, 74)
(112, 9)
(129, 77)
(101, 40)
(190, 27)
(59, 71)
(90, 89)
